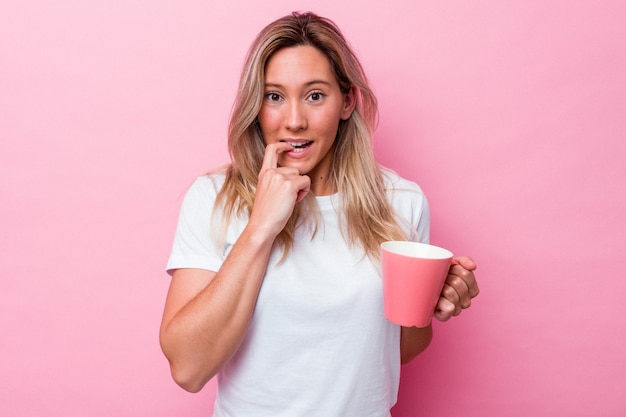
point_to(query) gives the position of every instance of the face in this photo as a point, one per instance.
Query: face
(303, 105)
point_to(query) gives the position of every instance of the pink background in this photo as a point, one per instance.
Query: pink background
(511, 115)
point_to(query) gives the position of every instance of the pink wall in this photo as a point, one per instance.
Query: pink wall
(511, 115)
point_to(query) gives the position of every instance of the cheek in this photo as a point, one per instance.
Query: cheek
(268, 121)
(328, 124)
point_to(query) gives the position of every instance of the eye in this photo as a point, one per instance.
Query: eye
(316, 96)
(273, 97)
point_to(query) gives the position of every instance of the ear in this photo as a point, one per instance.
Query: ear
(349, 103)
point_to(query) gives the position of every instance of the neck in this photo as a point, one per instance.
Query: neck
(322, 185)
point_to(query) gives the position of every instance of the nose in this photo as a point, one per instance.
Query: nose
(295, 117)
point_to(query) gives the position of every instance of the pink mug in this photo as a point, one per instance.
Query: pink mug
(413, 277)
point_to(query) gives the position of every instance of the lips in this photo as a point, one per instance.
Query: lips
(299, 145)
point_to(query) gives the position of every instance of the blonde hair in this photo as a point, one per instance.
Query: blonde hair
(366, 215)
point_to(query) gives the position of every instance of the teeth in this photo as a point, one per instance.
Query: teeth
(298, 144)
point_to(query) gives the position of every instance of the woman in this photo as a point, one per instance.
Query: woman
(275, 284)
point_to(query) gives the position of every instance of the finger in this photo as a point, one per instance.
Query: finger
(305, 188)
(444, 310)
(270, 159)
(449, 293)
(468, 278)
(465, 261)
(462, 293)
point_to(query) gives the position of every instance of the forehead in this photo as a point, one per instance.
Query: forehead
(300, 64)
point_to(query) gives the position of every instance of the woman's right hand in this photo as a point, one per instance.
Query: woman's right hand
(207, 313)
(278, 191)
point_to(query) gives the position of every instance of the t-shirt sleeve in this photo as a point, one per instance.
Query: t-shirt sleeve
(412, 207)
(419, 213)
(422, 220)
(194, 246)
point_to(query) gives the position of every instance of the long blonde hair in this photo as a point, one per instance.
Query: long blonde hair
(367, 216)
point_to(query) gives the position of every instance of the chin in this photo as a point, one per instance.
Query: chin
(302, 168)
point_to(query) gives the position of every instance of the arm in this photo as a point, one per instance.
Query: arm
(459, 289)
(207, 313)
(413, 341)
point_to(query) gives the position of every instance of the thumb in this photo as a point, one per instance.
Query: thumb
(305, 189)
(465, 261)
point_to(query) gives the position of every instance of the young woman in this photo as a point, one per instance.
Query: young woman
(275, 283)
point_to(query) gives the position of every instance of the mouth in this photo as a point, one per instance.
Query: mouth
(299, 145)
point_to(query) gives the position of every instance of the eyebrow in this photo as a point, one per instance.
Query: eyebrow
(307, 84)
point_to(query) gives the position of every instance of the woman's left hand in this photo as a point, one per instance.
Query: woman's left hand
(459, 289)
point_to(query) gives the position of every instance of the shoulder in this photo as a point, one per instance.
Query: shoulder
(202, 192)
(213, 180)
(399, 188)
(208, 184)
(410, 203)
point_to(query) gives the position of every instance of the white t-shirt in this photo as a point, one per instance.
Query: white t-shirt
(318, 343)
